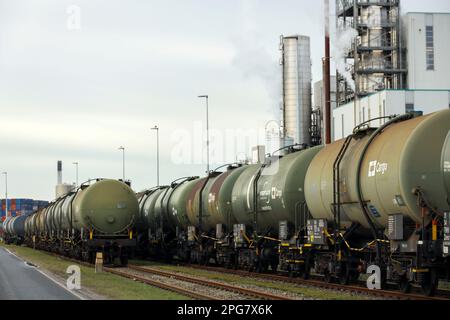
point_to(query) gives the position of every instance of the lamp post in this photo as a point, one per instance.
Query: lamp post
(157, 153)
(123, 162)
(76, 170)
(6, 193)
(206, 97)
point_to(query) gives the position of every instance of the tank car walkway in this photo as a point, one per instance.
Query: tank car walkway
(18, 281)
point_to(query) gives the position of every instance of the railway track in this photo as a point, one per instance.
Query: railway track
(185, 292)
(209, 283)
(316, 282)
(358, 289)
(165, 286)
(178, 289)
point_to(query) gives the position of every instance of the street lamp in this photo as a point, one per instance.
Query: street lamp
(76, 166)
(157, 153)
(123, 162)
(206, 97)
(6, 193)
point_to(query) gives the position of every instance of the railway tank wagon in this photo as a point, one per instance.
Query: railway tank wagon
(162, 220)
(220, 220)
(210, 216)
(98, 217)
(274, 215)
(381, 197)
(181, 218)
(14, 229)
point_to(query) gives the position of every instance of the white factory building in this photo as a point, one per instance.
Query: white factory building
(427, 39)
(427, 42)
(385, 103)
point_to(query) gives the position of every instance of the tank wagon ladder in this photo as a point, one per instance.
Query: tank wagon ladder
(426, 268)
(148, 239)
(143, 197)
(175, 185)
(337, 184)
(264, 241)
(204, 239)
(297, 258)
(161, 221)
(341, 267)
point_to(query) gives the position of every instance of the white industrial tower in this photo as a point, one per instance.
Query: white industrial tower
(296, 66)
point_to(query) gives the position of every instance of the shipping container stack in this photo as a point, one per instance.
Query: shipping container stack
(18, 207)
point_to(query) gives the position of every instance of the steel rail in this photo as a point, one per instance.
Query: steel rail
(161, 285)
(210, 283)
(329, 286)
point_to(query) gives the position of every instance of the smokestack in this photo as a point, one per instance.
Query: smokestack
(59, 168)
(326, 74)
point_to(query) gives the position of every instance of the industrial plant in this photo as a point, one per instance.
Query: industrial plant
(355, 202)
(387, 63)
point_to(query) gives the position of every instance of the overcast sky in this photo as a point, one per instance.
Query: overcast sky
(78, 79)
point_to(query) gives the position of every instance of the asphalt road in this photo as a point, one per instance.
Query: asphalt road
(19, 281)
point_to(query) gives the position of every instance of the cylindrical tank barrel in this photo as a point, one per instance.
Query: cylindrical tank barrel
(107, 206)
(216, 199)
(147, 209)
(177, 204)
(403, 158)
(280, 191)
(242, 195)
(17, 226)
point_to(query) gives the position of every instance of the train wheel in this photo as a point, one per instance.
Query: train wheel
(430, 283)
(124, 260)
(344, 278)
(354, 276)
(344, 274)
(274, 267)
(404, 285)
(291, 272)
(307, 271)
(328, 277)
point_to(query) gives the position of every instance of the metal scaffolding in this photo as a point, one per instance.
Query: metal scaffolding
(375, 59)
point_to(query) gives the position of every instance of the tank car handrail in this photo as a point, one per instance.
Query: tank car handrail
(83, 184)
(359, 127)
(291, 147)
(162, 214)
(183, 180)
(229, 165)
